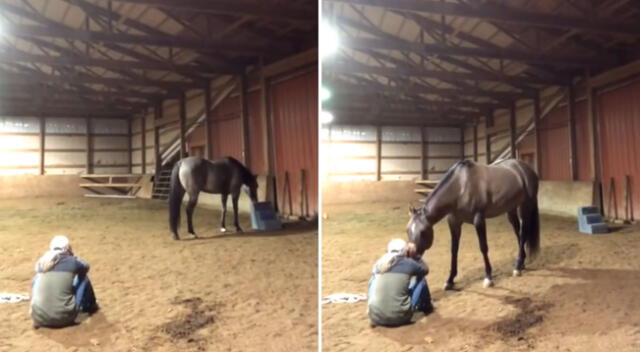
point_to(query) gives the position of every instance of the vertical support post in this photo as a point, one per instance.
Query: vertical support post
(537, 115)
(463, 145)
(207, 121)
(143, 143)
(89, 152)
(157, 115)
(594, 142)
(422, 154)
(488, 122)
(267, 134)
(378, 153)
(512, 130)
(475, 141)
(244, 121)
(130, 145)
(42, 135)
(183, 125)
(571, 111)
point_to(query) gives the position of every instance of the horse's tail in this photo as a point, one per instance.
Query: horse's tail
(531, 227)
(176, 193)
(530, 212)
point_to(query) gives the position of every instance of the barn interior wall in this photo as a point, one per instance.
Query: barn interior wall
(350, 153)
(65, 145)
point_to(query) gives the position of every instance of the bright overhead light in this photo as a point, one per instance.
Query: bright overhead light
(325, 94)
(329, 40)
(326, 117)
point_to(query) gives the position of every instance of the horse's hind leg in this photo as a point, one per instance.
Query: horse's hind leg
(234, 202)
(515, 223)
(481, 229)
(455, 228)
(223, 197)
(191, 205)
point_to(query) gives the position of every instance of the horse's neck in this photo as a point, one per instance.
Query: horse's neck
(439, 205)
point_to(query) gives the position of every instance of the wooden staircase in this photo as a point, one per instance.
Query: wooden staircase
(162, 183)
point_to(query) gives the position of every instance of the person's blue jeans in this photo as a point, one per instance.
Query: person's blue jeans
(420, 296)
(85, 297)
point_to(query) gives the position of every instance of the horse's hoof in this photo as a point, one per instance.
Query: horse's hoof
(517, 272)
(487, 283)
(193, 235)
(223, 229)
(175, 238)
(239, 230)
(448, 286)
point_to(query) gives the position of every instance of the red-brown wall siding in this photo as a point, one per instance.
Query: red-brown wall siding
(295, 122)
(582, 142)
(554, 145)
(619, 118)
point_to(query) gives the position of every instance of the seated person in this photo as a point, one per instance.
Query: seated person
(398, 287)
(61, 288)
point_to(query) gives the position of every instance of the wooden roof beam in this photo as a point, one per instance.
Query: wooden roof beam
(498, 13)
(289, 13)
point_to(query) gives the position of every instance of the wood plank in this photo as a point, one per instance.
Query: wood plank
(379, 153)
(427, 182)
(124, 196)
(110, 185)
(109, 175)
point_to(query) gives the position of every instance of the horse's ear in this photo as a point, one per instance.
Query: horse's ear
(412, 210)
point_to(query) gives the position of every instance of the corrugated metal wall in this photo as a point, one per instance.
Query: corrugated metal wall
(350, 152)
(65, 145)
(295, 125)
(619, 118)
(554, 145)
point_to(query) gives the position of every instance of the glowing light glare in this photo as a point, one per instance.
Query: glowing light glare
(326, 117)
(325, 94)
(329, 40)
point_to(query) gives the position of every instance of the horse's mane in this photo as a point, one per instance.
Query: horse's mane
(447, 177)
(246, 173)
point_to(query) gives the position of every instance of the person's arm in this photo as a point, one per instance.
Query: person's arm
(419, 268)
(82, 267)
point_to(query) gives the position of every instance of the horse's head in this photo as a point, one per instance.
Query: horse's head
(419, 231)
(251, 187)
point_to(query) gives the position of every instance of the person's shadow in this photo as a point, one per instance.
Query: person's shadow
(91, 330)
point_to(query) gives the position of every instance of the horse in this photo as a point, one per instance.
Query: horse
(470, 193)
(195, 174)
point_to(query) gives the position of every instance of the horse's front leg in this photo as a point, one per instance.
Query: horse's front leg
(223, 197)
(234, 201)
(481, 229)
(456, 229)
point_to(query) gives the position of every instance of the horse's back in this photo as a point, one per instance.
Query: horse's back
(505, 184)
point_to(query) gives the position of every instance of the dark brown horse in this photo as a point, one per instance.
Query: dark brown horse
(470, 193)
(226, 176)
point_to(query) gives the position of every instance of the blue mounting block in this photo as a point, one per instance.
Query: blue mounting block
(590, 221)
(264, 217)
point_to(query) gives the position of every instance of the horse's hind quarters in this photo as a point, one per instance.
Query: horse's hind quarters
(517, 272)
(487, 283)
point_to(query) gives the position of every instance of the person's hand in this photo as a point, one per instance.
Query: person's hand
(71, 251)
(411, 250)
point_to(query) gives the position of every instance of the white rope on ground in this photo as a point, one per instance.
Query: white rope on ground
(12, 297)
(344, 298)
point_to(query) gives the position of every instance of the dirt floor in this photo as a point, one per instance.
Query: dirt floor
(582, 293)
(224, 292)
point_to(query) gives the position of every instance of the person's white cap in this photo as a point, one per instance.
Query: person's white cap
(59, 242)
(396, 245)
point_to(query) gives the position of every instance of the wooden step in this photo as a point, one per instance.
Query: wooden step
(110, 175)
(109, 196)
(93, 185)
(423, 191)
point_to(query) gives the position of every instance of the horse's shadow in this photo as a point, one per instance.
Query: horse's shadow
(288, 229)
